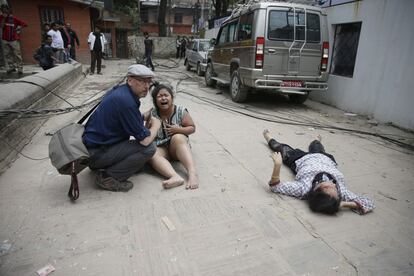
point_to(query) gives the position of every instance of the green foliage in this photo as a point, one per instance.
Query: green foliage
(125, 5)
(129, 7)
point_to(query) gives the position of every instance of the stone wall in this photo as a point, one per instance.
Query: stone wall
(164, 47)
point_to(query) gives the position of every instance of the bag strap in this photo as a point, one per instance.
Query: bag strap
(89, 113)
(73, 193)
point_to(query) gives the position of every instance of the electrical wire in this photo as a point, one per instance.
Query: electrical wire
(288, 121)
(31, 113)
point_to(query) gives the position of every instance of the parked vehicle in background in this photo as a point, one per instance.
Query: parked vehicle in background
(275, 46)
(196, 55)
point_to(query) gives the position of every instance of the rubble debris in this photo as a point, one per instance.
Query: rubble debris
(387, 196)
(5, 247)
(350, 114)
(46, 270)
(168, 223)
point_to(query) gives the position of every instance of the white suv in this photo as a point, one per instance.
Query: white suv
(196, 55)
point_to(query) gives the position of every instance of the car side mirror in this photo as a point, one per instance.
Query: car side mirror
(213, 41)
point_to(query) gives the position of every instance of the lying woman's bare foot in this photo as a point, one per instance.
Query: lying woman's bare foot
(192, 182)
(174, 181)
(266, 135)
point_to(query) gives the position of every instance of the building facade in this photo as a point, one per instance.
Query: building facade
(372, 64)
(83, 16)
(182, 18)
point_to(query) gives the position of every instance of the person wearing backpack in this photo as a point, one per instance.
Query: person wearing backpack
(45, 54)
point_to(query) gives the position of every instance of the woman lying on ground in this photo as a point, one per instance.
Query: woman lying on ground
(172, 138)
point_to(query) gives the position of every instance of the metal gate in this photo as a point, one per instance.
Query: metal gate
(121, 43)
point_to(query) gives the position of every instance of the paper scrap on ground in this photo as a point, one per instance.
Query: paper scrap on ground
(45, 270)
(5, 247)
(168, 223)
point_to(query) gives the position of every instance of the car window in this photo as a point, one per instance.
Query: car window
(281, 26)
(223, 34)
(232, 31)
(245, 27)
(195, 46)
(204, 46)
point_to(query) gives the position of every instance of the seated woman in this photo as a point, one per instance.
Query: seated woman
(172, 138)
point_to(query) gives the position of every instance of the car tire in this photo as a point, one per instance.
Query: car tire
(199, 72)
(297, 98)
(208, 76)
(238, 91)
(187, 65)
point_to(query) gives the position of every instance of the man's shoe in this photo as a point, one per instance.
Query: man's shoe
(111, 184)
(90, 73)
(99, 73)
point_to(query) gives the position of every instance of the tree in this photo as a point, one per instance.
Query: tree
(129, 7)
(162, 12)
(221, 7)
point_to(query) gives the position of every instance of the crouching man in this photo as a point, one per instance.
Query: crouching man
(317, 178)
(114, 157)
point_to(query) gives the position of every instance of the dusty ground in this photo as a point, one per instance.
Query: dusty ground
(231, 225)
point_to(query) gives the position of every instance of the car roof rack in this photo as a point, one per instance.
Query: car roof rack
(241, 7)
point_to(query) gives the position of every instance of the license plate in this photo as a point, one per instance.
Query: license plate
(292, 84)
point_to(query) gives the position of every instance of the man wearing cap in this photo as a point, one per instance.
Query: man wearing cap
(114, 157)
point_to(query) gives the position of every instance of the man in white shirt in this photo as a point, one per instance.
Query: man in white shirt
(57, 41)
(96, 41)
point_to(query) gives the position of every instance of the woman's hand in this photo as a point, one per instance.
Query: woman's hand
(171, 129)
(277, 158)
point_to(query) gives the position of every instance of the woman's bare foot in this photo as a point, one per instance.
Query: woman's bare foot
(174, 181)
(192, 182)
(266, 135)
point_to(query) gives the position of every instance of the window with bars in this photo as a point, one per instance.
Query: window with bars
(51, 14)
(144, 16)
(345, 49)
(178, 18)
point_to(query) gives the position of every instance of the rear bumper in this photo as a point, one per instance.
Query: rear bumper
(256, 79)
(278, 84)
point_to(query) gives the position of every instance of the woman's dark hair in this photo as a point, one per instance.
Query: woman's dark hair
(156, 89)
(321, 202)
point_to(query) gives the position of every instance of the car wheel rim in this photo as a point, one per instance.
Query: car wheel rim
(234, 86)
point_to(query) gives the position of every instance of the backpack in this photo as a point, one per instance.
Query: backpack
(68, 154)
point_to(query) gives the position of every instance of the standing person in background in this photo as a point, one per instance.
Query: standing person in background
(178, 47)
(46, 29)
(67, 41)
(75, 39)
(57, 41)
(183, 46)
(96, 41)
(149, 48)
(11, 26)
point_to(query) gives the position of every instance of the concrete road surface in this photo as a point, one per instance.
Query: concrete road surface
(232, 224)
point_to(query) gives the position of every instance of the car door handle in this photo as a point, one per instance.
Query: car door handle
(271, 51)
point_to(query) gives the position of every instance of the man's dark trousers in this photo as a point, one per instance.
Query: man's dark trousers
(121, 160)
(96, 57)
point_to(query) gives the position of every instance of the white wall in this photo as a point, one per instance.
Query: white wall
(382, 85)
